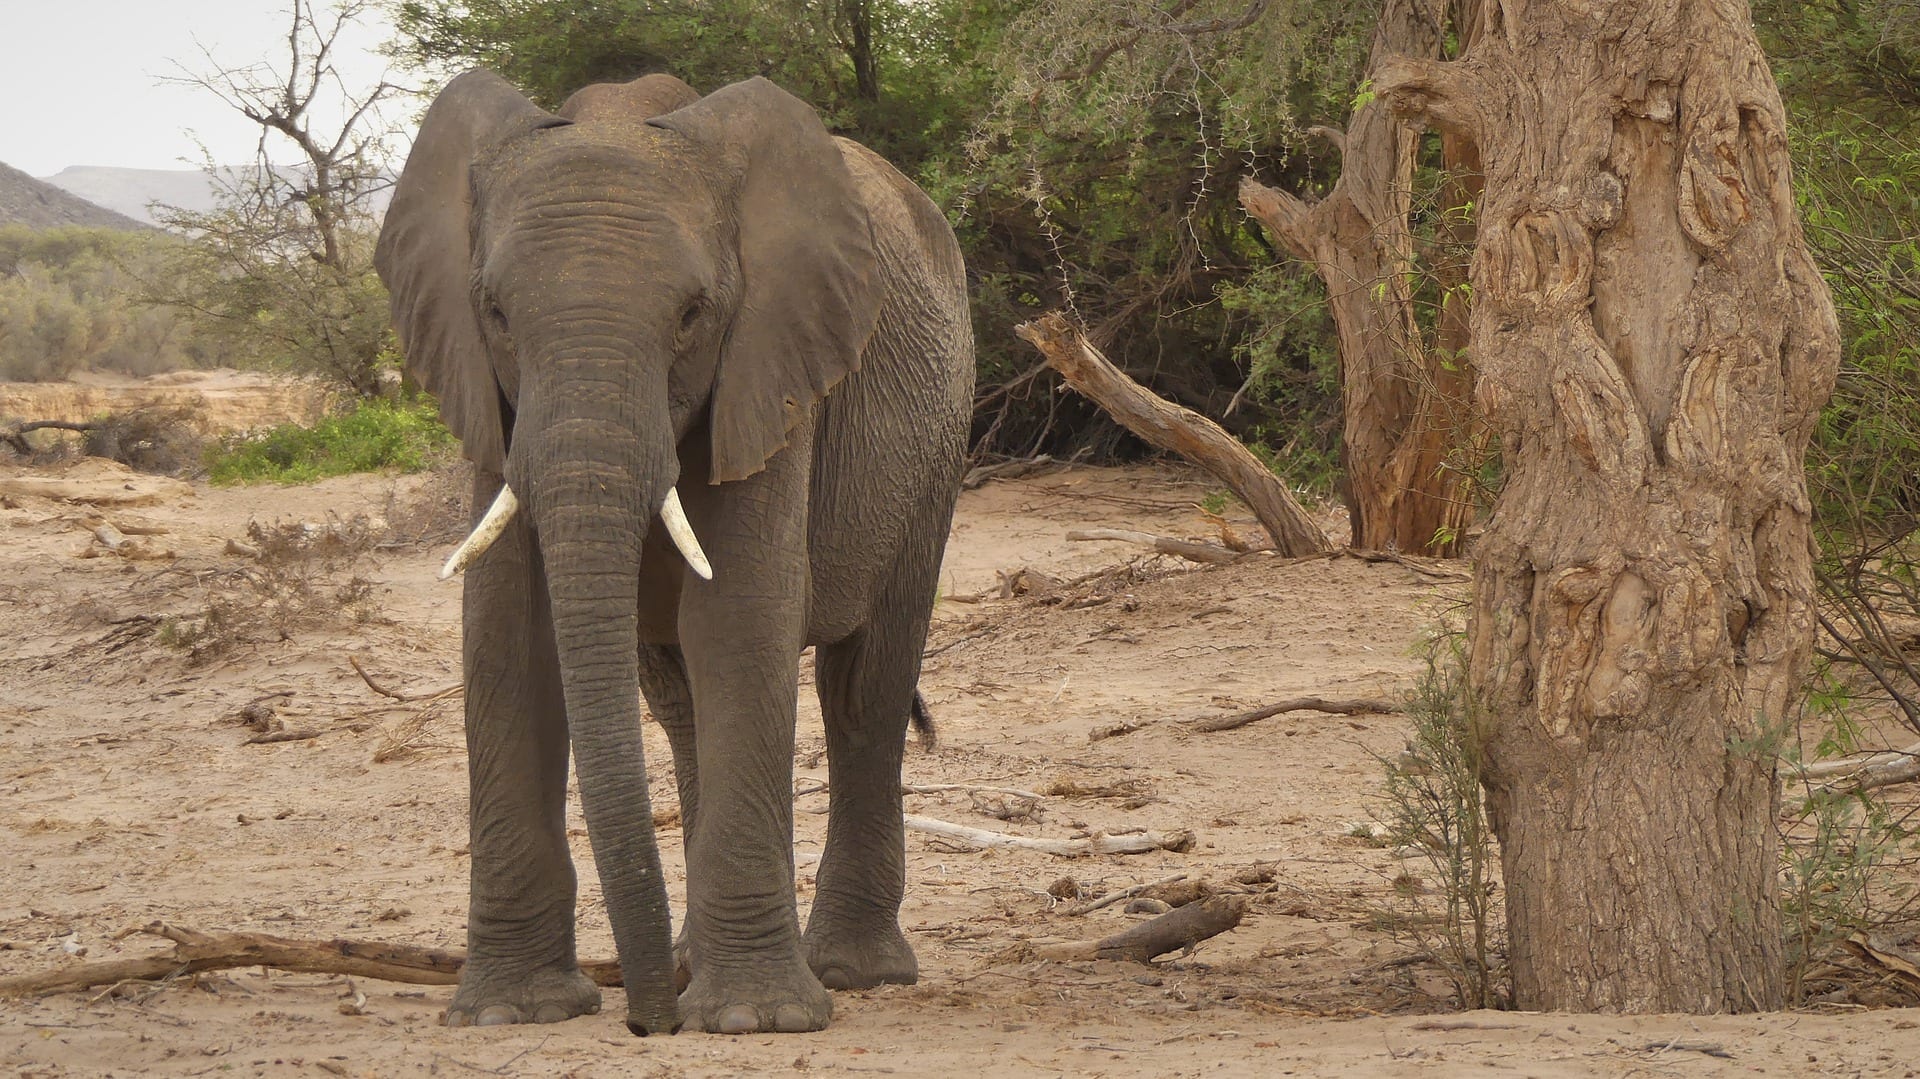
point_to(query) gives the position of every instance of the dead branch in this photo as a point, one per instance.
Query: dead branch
(1887, 957)
(1885, 771)
(397, 695)
(110, 537)
(1358, 707)
(1851, 765)
(195, 951)
(283, 736)
(1136, 843)
(1005, 470)
(17, 436)
(1177, 930)
(1178, 429)
(1111, 898)
(1187, 549)
(941, 788)
(1440, 569)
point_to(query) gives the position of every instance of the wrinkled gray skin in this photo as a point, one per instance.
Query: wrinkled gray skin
(726, 298)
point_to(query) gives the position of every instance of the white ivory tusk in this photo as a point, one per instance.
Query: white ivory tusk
(499, 515)
(681, 532)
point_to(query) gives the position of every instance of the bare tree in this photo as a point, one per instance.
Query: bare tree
(1405, 400)
(1653, 344)
(284, 260)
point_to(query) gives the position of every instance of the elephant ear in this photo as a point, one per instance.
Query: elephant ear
(425, 255)
(807, 265)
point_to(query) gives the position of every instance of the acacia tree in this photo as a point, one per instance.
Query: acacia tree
(282, 268)
(1653, 344)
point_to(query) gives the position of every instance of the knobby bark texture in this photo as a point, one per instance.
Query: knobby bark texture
(1653, 344)
(1402, 402)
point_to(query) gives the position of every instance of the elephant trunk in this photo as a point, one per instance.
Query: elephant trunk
(592, 484)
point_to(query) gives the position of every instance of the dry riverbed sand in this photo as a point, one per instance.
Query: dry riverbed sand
(130, 793)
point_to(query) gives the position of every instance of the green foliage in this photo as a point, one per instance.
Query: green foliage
(370, 436)
(1436, 806)
(1087, 154)
(70, 301)
(1847, 855)
(1105, 178)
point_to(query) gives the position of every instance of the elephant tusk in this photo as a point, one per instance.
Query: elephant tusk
(681, 532)
(499, 515)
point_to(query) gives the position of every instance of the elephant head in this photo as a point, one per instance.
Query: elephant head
(588, 298)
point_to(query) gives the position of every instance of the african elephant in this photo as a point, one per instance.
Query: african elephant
(657, 312)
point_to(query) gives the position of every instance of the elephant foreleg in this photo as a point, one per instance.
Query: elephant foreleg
(521, 965)
(740, 634)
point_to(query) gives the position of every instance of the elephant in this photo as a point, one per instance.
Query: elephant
(714, 369)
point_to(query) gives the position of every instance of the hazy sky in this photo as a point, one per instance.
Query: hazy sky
(80, 79)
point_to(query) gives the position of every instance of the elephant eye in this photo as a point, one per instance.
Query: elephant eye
(691, 315)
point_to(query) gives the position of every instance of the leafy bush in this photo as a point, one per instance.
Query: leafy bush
(70, 300)
(373, 435)
(1436, 806)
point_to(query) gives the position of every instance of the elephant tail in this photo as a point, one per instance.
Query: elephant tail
(923, 722)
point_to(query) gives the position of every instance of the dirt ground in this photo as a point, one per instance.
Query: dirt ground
(129, 793)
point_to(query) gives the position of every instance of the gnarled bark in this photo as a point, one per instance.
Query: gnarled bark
(1402, 402)
(1653, 343)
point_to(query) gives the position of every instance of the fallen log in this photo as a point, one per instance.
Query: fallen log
(1181, 430)
(1187, 549)
(1176, 930)
(195, 951)
(1133, 843)
(1360, 707)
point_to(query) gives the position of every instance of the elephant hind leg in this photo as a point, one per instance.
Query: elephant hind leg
(663, 682)
(868, 694)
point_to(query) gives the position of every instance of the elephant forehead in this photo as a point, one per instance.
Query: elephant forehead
(625, 158)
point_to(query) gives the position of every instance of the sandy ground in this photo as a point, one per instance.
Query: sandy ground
(128, 794)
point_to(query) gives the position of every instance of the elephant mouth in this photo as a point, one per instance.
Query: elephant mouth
(501, 513)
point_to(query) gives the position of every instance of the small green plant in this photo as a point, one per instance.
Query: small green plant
(372, 436)
(1847, 855)
(1214, 502)
(1435, 806)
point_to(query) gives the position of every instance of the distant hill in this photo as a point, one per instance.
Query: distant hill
(131, 191)
(27, 201)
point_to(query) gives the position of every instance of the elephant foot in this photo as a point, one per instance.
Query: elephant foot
(861, 959)
(545, 996)
(750, 1000)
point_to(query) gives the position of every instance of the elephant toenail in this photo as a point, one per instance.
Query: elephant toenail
(458, 1019)
(737, 1019)
(792, 1019)
(835, 978)
(497, 1015)
(551, 1013)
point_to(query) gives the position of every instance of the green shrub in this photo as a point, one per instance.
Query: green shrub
(374, 435)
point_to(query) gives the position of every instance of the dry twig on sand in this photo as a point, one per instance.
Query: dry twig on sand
(195, 951)
(1178, 429)
(1357, 707)
(1111, 898)
(1135, 843)
(1187, 549)
(1176, 930)
(395, 694)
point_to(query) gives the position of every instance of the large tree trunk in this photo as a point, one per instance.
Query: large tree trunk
(1653, 343)
(1402, 402)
